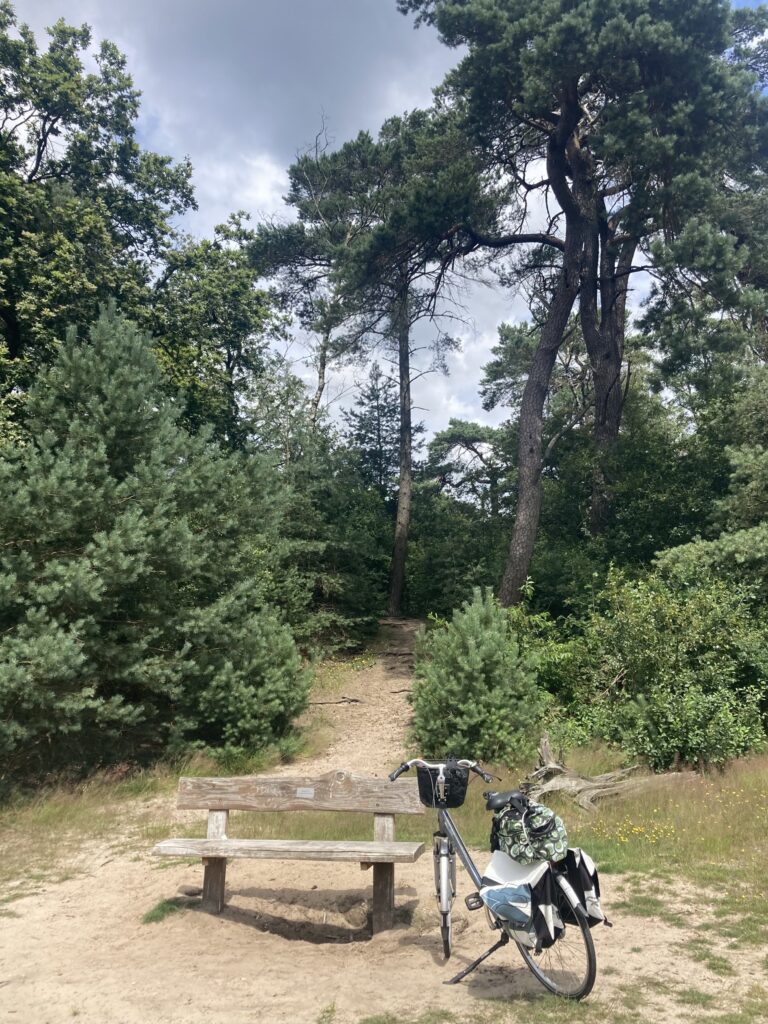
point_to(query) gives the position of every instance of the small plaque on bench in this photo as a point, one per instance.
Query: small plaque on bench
(306, 792)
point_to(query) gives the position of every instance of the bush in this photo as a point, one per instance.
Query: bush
(475, 695)
(681, 662)
(690, 726)
(134, 564)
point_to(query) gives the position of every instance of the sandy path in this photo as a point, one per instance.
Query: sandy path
(293, 945)
(370, 731)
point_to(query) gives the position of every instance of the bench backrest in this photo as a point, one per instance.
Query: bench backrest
(335, 791)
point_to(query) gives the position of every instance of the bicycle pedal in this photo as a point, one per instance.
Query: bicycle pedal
(474, 901)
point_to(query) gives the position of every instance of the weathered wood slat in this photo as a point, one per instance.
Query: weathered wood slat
(292, 849)
(215, 872)
(383, 897)
(384, 828)
(335, 791)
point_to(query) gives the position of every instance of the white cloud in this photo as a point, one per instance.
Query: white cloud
(252, 182)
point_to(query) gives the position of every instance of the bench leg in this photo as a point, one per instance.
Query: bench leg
(383, 897)
(214, 878)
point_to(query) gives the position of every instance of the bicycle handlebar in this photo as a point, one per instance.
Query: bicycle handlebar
(399, 771)
(420, 762)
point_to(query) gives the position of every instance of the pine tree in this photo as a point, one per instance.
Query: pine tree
(373, 429)
(475, 693)
(133, 568)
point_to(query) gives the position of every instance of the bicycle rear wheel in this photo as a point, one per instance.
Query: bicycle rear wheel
(568, 967)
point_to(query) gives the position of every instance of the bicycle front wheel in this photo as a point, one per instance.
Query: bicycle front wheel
(568, 967)
(446, 934)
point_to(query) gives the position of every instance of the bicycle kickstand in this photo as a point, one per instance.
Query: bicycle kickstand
(476, 963)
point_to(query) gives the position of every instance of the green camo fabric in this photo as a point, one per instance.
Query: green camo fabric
(515, 839)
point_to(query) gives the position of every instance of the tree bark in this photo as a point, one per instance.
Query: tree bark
(403, 520)
(322, 366)
(563, 163)
(529, 443)
(604, 332)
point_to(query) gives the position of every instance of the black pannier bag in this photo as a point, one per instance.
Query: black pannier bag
(582, 874)
(456, 782)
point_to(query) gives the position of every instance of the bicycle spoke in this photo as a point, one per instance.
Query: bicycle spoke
(567, 966)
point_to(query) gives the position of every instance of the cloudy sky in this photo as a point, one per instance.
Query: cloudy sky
(242, 86)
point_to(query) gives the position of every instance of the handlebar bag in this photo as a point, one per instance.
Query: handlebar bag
(456, 782)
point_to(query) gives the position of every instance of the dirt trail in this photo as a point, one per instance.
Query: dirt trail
(293, 945)
(369, 726)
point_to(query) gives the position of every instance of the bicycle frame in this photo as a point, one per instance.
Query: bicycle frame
(448, 828)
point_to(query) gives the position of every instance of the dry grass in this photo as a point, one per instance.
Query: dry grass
(43, 834)
(710, 831)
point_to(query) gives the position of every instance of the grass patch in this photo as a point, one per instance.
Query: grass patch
(712, 828)
(699, 950)
(164, 909)
(633, 996)
(641, 904)
(430, 1017)
(543, 1009)
(332, 674)
(596, 759)
(754, 1008)
(694, 997)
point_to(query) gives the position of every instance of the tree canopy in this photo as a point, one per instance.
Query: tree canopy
(190, 519)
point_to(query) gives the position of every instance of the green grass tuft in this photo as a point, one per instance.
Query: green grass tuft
(164, 909)
(699, 950)
(694, 997)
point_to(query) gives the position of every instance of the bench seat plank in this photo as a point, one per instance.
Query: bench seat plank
(292, 849)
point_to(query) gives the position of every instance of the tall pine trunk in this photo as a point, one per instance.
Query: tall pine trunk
(322, 365)
(570, 176)
(604, 331)
(403, 520)
(530, 428)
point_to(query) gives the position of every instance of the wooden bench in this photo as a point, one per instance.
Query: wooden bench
(336, 791)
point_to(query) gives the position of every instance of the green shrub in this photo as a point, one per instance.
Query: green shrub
(690, 726)
(681, 662)
(475, 695)
(135, 561)
(245, 682)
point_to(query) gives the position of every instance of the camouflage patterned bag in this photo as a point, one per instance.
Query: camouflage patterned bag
(535, 833)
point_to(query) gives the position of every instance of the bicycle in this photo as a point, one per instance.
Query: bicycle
(567, 967)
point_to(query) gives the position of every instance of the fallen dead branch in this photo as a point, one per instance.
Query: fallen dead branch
(552, 776)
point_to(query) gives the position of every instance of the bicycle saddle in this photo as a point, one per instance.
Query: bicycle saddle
(495, 801)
